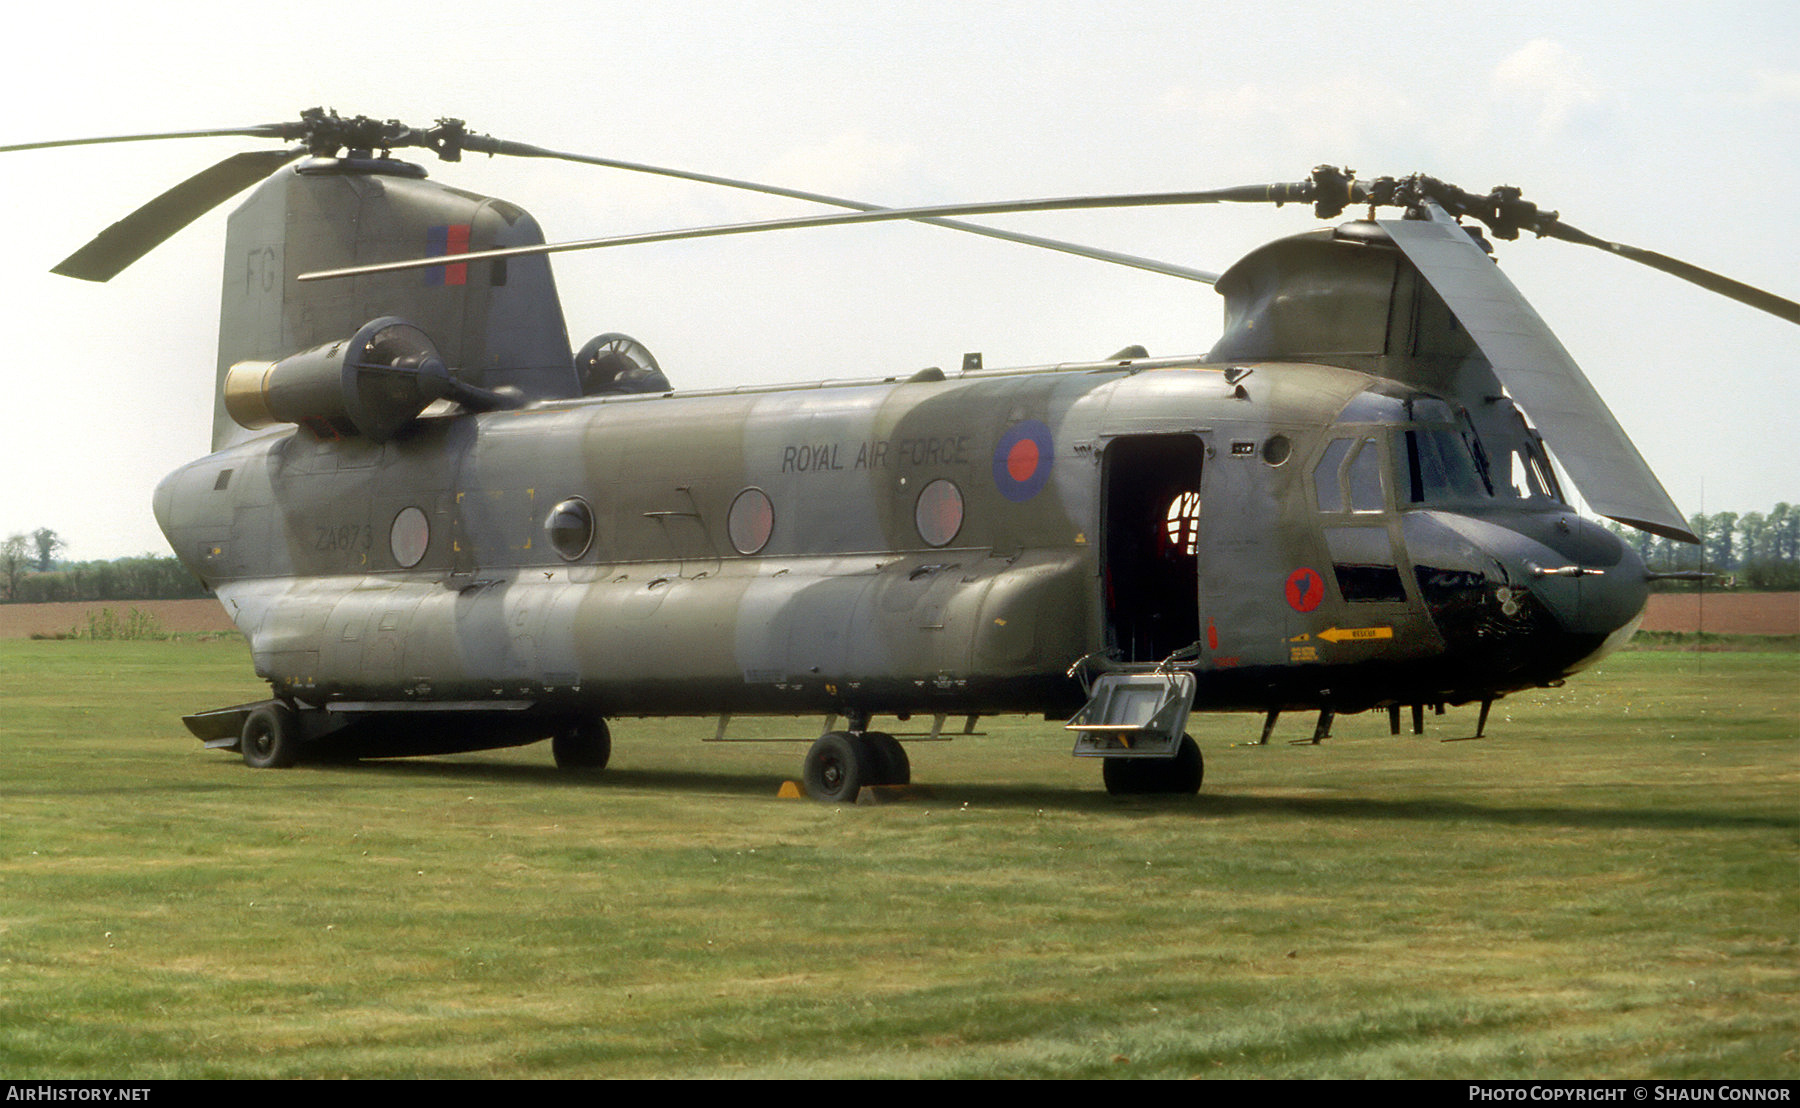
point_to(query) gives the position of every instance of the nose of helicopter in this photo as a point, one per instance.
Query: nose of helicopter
(1534, 596)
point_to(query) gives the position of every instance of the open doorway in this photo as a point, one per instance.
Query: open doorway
(1150, 570)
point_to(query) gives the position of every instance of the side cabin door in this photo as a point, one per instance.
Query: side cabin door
(1150, 575)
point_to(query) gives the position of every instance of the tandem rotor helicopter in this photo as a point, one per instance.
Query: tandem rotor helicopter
(443, 529)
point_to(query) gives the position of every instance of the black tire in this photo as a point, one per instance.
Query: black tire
(271, 737)
(582, 745)
(892, 766)
(838, 766)
(1180, 775)
(1125, 776)
(1184, 772)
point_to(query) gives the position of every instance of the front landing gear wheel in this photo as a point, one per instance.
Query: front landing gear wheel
(1186, 770)
(582, 744)
(839, 765)
(1177, 776)
(271, 738)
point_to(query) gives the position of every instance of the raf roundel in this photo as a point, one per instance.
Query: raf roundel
(1022, 460)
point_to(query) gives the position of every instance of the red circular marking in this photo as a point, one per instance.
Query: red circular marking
(1022, 460)
(1305, 589)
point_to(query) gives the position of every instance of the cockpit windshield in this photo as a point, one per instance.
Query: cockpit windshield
(1437, 466)
(1434, 455)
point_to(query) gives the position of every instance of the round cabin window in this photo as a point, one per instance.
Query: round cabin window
(571, 528)
(751, 522)
(939, 513)
(409, 537)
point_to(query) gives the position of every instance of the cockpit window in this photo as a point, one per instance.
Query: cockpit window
(1365, 478)
(1348, 476)
(1437, 456)
(1438, 467)
(1325, 476)
(1529, 476)
(1527, 468)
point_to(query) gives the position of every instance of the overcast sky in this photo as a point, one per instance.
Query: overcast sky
(1671, 126)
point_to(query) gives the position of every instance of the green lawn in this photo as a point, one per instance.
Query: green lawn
(1604, 887)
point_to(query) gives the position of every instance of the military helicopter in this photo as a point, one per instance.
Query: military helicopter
(443, 529)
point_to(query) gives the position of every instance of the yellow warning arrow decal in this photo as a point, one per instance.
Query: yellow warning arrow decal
(1355, 634)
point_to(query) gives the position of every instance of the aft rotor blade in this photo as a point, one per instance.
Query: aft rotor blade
(143, 230)
(1541, 376)
(1675, 267)
(489, 145)
(260, 130)
(1240, 194)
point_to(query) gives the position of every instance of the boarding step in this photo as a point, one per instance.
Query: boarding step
(1134, 715)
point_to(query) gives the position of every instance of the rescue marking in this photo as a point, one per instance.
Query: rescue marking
(1355, 634)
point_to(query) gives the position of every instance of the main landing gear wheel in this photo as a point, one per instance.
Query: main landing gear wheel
(582, 744)
(840, 763)
(892, 766)
(271, 738)
(1177, 776)
(838, 766)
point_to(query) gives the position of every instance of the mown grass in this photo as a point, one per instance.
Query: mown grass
(1605, 886)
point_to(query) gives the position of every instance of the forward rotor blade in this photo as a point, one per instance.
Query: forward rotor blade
(143, 230)
(1241, 194)
(488, 145)
(1675, 267)
(1539, 373)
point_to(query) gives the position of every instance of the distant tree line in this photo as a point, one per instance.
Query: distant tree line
(1753, 550)
(30, 573)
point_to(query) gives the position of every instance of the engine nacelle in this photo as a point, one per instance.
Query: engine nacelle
(372, 384)
(613, 363)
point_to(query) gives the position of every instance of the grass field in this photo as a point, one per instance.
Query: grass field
(1606, 886)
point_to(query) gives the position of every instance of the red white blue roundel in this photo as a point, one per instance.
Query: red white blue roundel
(1022, 460)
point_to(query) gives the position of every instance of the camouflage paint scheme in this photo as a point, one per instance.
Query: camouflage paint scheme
(1307, 586)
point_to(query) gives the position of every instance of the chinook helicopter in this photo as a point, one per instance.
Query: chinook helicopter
(441, 528)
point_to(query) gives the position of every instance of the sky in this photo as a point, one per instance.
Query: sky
(1669, 126)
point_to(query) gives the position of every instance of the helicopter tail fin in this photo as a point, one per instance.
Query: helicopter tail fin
(495, 323)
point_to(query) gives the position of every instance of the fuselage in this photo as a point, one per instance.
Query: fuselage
(1300, 535)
